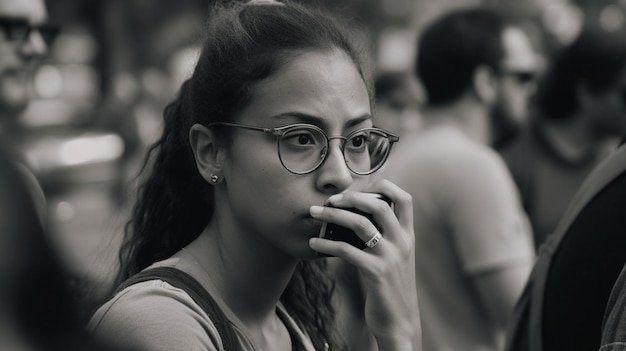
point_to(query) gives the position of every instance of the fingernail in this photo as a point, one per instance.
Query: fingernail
(335, 198)
(316, 210)
(313, 243)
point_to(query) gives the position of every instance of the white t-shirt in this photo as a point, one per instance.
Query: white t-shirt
(156, 316)
(468, 220)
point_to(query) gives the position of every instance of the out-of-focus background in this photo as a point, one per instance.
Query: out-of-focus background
(100, 93)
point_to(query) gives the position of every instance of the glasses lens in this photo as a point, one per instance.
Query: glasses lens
(522, 77)
(15, 29)
(525, 77)
(18, 29)
(366, 151)
(302, 149)
(49, 33)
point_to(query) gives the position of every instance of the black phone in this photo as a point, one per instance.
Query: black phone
(332, 231)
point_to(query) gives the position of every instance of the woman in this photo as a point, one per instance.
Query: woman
(274, 123)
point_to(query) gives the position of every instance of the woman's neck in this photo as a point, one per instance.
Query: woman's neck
(249, 275)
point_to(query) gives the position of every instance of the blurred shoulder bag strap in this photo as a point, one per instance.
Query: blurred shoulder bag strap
(184, 281)
(525, 326)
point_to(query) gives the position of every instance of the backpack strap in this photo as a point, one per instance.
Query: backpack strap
(184, 281)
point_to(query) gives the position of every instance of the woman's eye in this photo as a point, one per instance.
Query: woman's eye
(304, 139)
(358, 141)
(300, 138)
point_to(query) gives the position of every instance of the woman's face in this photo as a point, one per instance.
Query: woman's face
(267, 201)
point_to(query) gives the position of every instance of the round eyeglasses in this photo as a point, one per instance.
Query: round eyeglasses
(302, 148)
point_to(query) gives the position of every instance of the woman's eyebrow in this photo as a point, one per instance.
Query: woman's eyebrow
(319, 121)
(358, 120)
(301, 117)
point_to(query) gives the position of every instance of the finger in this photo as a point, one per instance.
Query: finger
(403, 202)
(358, 223)
(378, 210)
(362, 259)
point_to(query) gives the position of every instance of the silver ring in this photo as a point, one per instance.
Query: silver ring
(374, 240)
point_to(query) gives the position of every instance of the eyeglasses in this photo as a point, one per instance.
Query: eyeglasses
(19, 29)
(522, 77)
(302, 148)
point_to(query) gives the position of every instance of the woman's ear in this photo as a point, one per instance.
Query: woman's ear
(208, 152)
(484, 84)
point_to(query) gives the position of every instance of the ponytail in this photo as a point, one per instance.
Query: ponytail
(174, 204)
(308, 297)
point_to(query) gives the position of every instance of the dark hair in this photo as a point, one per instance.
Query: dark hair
(388, 83)
(452, 47)
(594, 60)
(243, 45)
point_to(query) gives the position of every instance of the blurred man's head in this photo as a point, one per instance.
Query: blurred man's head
(483, 54)
(23, 39)
(588, 79)
(398, 102)
(515, 85)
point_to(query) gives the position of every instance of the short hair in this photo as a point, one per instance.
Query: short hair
(595, 59)
(389, 82)
(452, 47)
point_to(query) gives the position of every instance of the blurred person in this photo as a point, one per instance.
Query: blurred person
(24, 38)
(398, 102)
(222, 249)
(580, 115)
(573, 299)
(473, 241)
(38, 310)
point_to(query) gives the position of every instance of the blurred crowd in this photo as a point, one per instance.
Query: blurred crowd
(500, 123)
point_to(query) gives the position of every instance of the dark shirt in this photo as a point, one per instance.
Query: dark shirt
(614, 324)
(546, 180)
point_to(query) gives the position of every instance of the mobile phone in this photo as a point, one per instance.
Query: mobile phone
(332, 231)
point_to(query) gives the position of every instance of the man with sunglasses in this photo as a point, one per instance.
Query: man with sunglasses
(579, 117)
(25, 37)
(473, 242)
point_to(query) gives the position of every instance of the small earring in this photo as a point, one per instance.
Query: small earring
(214, 178)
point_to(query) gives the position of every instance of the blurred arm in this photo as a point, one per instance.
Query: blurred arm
(492, 235)
(500, 290)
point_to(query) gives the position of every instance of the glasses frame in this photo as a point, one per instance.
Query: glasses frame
(280, 131)
(8, 25)
(521, 76)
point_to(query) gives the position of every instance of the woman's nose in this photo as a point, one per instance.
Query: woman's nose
(334, 175)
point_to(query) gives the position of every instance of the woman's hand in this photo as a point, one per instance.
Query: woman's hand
(388, 268)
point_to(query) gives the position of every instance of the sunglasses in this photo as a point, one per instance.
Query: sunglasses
(19, 29)
(522, 77)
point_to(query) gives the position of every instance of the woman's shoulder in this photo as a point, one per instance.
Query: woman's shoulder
(154, 315)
